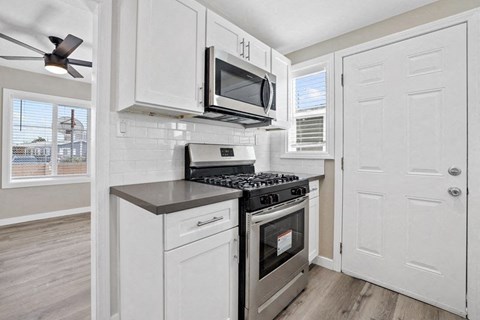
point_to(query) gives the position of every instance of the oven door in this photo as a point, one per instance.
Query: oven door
(235, 84)
(277, 249)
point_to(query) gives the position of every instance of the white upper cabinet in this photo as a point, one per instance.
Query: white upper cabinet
(281, 68)
(228, 37)
(161, 56)
(258, 53)
(224, 35)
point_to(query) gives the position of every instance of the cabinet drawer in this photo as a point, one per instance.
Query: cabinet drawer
(190, 225)
(314, 185)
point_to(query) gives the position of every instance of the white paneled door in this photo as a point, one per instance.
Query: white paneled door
(405, 126)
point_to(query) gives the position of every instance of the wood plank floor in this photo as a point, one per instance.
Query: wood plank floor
(336, 296)
(45, 269)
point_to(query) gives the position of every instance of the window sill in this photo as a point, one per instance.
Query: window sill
(310, 156)
(39, 182)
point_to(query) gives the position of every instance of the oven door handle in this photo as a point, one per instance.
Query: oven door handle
(262, 218)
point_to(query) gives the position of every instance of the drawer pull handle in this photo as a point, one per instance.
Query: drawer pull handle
(314, 189)
(202, 223)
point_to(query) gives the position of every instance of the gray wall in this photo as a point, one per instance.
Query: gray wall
(423, 15)
(17, 202)
(434, 11)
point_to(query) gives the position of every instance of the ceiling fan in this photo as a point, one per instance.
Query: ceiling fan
(57, 61)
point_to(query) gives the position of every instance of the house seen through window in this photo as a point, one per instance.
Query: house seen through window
(308, 125)
(47, 139)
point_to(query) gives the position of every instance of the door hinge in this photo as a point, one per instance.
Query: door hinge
(341, 247)
(342, 79)
(341, 163)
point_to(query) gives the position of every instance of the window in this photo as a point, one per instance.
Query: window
(310, 120)
(45, 140)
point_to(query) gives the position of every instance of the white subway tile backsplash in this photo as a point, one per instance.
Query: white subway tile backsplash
(157, 133)
(153, 149)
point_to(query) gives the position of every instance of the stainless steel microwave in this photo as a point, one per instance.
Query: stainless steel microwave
(238, 91)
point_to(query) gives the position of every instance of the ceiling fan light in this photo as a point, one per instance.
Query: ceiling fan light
(56, 69)
(55, 65)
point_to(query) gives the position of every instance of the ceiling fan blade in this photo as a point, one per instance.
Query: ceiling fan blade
(67, 46)
(21, 43)
(73, 72)
(82, 63)
(21, 58)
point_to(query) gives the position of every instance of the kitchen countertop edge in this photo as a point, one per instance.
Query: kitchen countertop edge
(170, 207)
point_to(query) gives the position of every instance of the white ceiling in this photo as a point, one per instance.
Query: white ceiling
(286, 25)
(32, 21)
(290, 25)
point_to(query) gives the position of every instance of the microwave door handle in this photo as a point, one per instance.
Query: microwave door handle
(262, 88)
(270, 98)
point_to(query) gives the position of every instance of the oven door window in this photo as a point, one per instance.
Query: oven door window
(237, 84)
(280, 240)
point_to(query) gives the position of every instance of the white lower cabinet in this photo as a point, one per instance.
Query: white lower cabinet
(178, 266)
(140, 239)
(313, 215)
(201, 279)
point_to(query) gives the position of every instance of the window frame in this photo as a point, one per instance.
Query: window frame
(302, 69)
(7, 125)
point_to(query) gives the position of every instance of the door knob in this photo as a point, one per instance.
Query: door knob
(454, 171)
(454, 191)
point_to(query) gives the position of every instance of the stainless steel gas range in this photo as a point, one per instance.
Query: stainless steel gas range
(273, 226)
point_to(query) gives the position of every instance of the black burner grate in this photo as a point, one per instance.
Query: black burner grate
(249, 181)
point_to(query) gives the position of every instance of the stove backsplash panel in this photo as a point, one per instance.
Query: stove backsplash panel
(152, 149)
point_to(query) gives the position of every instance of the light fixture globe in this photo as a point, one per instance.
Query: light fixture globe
(55, 64)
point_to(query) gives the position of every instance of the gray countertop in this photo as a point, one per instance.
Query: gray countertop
(172, 196)
(309, 176)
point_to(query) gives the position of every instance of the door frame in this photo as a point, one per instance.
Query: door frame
(100, 211)
(472, 19)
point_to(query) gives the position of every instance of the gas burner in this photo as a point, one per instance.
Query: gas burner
(247, 181)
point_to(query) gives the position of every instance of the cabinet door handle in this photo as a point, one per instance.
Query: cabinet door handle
(214, 219)
(242, 43)
(248, 46)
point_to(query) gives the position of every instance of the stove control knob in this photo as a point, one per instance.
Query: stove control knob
(274, 197)
(296, 191)
(265, 200)
(303, 191)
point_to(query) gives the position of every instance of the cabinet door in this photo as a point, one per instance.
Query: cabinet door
(281, 68)
(201, 279)
(313, 229)
(170, 54)
(257, 53)
(224, 35)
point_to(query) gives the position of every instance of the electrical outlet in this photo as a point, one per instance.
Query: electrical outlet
(122, 128)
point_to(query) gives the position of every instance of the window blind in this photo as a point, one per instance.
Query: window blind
(307, 133)
(45, 143)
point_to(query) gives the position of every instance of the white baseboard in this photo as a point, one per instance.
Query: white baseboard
(42, 216)
(115, 317)
(323, 262)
